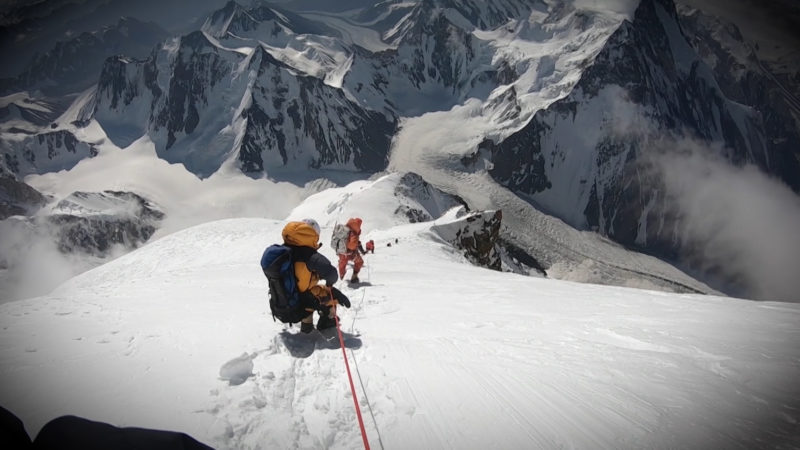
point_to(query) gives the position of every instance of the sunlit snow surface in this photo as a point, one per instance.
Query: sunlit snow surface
(177, 335)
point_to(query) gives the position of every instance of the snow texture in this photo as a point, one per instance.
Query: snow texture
(237, 370)
(177, 335)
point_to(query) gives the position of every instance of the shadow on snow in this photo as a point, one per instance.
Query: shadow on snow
(302, 345)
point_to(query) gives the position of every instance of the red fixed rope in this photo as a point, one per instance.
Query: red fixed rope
(350, 378)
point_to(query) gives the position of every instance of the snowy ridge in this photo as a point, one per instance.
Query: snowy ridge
(309, 47)
(72, 65)
(110, 204)
(554, 103)
(205, 104)
(24, 115)
(282, 120)
(647, 94)
(66, 141)
(46, 152)
(738, 66)
(176, 335)
(447, 163)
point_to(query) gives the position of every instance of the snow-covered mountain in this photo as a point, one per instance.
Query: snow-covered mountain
(47, 152)
(94, 223)
(646, 95)
(745, 78)
(497, 152)
(29, 29)
(73, 65)
(18, 198)
(569, 117)
(177, 335)
(90, 228)
(648, 73)
(204, 104)
(22, 113)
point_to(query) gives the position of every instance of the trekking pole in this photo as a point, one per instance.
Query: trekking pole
(349, 376)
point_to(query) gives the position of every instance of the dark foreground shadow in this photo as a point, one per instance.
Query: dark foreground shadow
(71, 432)
(302, 345)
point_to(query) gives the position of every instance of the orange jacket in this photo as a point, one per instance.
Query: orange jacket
(353, 241)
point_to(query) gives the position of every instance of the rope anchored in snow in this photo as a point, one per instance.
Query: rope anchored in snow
(350, 377)
(358, 372)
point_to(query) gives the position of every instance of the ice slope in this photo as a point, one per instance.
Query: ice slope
(177, 335)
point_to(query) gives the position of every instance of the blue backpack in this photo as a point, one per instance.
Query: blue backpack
(284, 296)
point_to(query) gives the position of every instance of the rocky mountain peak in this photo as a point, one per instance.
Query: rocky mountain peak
(72, 65)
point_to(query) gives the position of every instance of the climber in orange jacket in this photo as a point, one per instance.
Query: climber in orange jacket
(354, 250)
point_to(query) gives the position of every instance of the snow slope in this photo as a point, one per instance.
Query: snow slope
(177, 335)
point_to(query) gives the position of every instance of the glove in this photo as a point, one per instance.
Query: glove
(344, 301)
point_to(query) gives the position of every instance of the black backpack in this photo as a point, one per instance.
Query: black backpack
(284, 296)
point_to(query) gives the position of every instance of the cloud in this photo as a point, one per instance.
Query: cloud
(32, 264)
(742, 223)
(625, 8)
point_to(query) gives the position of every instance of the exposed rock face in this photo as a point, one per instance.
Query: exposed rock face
(745, 79)
(578, 107)
(517, 260)
(17, 198)
(340, 115)
(429, 202)
(435, 61)
(81, 231)
(589, 158)
(476, 234)
(185, 96)
(261, 21)
(43, 152)
(72, 65)
(90, 223)
(93, 223)
(289, 116)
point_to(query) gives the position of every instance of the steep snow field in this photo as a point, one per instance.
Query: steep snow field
(177, 335)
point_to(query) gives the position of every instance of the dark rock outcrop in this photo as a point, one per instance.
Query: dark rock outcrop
(48, 151)
(125, 219)
(17, 198)
(476, 234)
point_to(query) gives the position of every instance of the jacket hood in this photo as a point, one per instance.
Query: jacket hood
(355, 224)
(300, 234)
